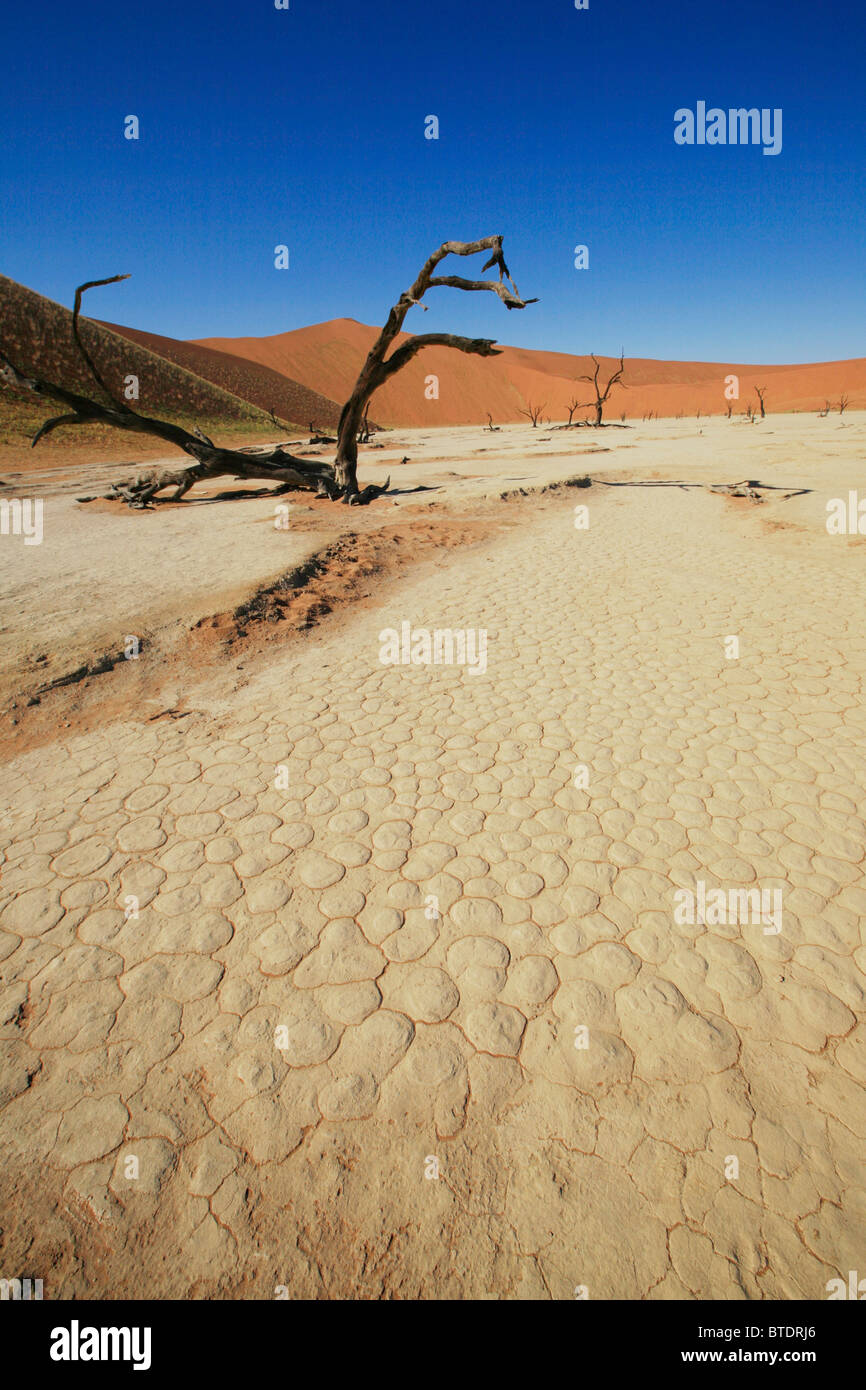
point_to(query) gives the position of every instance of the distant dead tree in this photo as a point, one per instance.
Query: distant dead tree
(490, 425)
(532, 412)
(337, 480)
(843, 404)
(750, 412)
(601, 396)
(730, 408)
(760, 393)
(573, 405)
(825, 411)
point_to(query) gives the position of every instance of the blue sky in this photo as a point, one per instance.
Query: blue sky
(305, 127)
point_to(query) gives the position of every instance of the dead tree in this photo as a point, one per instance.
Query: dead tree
(532, 412)
(337, 480)
(825, 411)
(601, 396)
(760, 393)
(377, 370)
(276, 466)
(490, 425)
(572, 406)
(843, 404)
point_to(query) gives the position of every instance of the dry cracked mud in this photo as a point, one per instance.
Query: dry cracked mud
(295, 991)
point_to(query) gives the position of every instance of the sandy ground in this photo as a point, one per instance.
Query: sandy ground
(367, 981)
(103, 574)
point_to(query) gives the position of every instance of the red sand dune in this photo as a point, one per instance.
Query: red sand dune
(327, 356)
(243, 376)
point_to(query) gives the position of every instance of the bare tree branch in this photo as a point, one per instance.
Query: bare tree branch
(482, 347)
(76, 312)
(457, 282)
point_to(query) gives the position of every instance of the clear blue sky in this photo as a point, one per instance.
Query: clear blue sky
(306, 127)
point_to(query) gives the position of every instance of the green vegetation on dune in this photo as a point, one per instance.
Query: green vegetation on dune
(36, 335)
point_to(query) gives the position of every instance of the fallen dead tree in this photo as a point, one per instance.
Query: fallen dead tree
(286, 470)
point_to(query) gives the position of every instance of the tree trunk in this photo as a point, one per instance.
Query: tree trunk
(346, 462)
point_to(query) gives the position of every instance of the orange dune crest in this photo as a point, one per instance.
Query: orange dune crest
(326, 357)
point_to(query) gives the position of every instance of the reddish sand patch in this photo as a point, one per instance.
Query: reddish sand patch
(349, 571)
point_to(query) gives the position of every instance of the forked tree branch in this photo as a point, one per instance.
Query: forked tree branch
(76, 312)
(482, 347)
